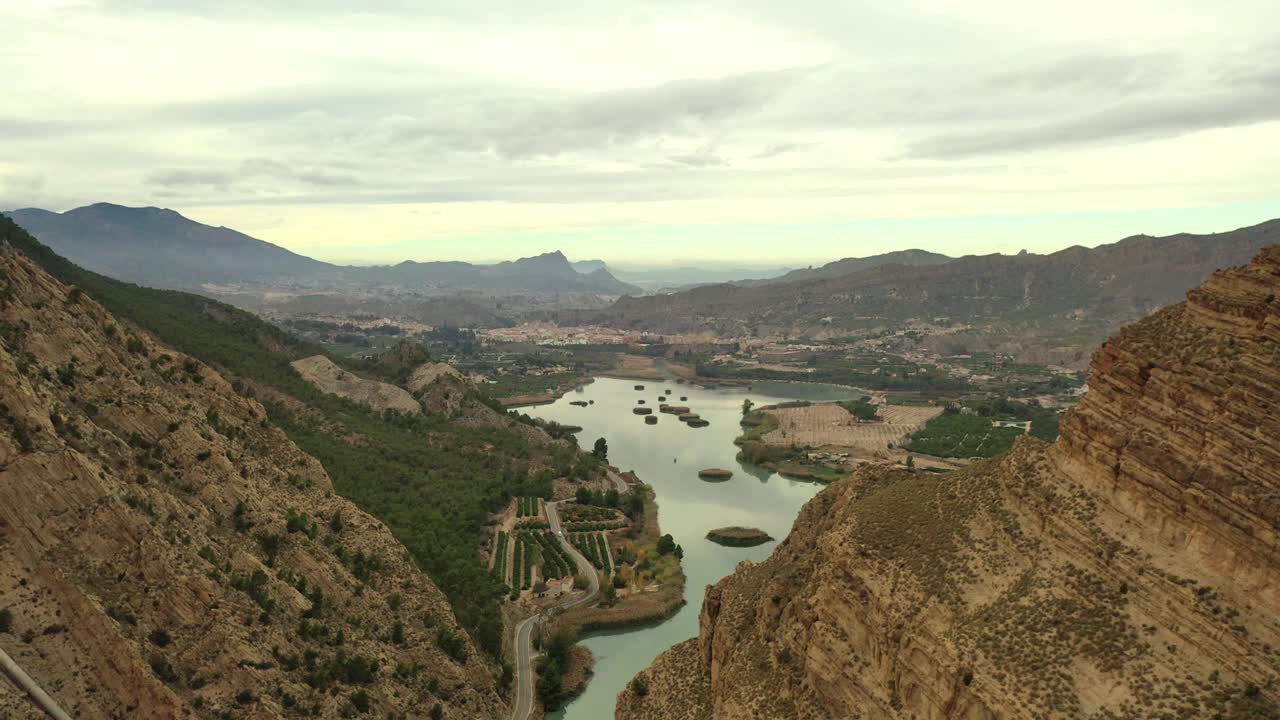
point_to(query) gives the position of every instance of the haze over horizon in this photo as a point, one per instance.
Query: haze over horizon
(650, 134)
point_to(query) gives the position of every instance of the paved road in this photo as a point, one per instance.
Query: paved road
(524, 630)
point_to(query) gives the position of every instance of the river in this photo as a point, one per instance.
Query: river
(668, 456)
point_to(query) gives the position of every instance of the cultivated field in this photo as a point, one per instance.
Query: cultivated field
(643, 367)
(829, 425)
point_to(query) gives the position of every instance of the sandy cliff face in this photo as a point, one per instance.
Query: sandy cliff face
(165, 552)
(1129, 571)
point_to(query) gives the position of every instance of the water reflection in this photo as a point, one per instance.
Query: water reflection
(668, 455)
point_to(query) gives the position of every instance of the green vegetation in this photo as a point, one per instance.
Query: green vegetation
(594, 548)
(527, 507)
(738, 536)
(874, 371)
(431, 481)
(758, 423)
(593, 526)
(787, 460)
(513, 385)
(667, 545)
(861, 409)
(1045, 426)
(556, 563)
(161, 667)
(526, 549)
(517, 569)
(954, 435)
(582, 511)
(639, 686)
(452, 645)
(552, 667)
(607, 499)
(499, 563)
(660, 566)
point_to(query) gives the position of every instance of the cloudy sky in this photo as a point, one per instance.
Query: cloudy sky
(650, 131)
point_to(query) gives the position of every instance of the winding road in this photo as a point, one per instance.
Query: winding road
(524, 630)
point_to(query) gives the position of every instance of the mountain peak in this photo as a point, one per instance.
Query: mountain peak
(179, 252)
(113, 209)
(555, 256)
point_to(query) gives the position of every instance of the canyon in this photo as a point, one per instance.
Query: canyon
(1129, 570)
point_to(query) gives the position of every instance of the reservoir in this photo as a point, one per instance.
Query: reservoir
(668, 456)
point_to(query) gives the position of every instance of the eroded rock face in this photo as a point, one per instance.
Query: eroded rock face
(1181, 429)
(427, 373)
(321, 372)
(1128, 571)
(165, 552)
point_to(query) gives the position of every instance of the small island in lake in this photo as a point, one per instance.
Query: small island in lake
(715, 474)
(579, 403)
(739, 536)
(642, 410)
(651, 420)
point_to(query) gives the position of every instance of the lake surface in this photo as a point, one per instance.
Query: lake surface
(668, 456)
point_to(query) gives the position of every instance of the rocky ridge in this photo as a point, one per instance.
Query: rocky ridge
(328, 377)
(1129, 571)
(427, 373)
(1022, 303)
(166, 552)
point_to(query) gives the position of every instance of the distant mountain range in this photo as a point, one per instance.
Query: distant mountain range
(1077, 293)
(161, 248)
(683, 277)
(157, 247)
(548, 273)
(851, 265)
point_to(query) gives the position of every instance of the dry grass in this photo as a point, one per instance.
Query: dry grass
(829, 425)
(641, 367)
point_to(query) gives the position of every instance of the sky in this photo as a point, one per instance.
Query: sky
(648, 132)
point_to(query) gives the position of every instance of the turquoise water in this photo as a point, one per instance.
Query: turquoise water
(668, 456)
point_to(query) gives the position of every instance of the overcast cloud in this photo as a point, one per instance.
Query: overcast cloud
(641, 129)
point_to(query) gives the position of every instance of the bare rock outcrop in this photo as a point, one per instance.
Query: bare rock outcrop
(165, 552)
(427, 373)
(321, 372)
(1129, 571)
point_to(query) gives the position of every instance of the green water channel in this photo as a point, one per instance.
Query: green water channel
(668, 456)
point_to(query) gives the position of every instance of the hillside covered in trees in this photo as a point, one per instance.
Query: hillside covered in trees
(431, 478)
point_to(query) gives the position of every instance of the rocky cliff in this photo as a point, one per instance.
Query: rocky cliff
(321, 372)
(165, 551)
(1131, 570)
